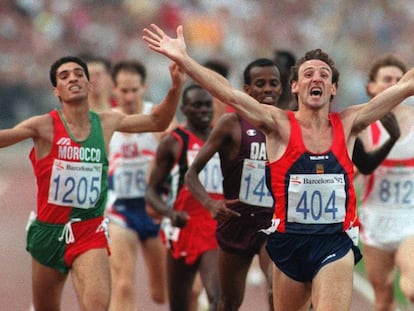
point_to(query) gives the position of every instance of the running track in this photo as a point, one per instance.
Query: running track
(17, 197)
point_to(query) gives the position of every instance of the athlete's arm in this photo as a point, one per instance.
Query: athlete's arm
(162, 114)
(217, 140)
(165, 157)
(261, 116)
(367, 162)
(34, 127)
(365, 114)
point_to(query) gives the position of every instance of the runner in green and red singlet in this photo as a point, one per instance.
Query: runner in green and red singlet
(69, 158)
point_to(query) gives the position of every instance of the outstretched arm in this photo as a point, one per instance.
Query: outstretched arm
(383, 103)
(161, 116)
(214, 83)
(367, 162)
(30, 128)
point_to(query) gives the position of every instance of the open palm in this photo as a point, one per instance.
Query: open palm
(160, 42)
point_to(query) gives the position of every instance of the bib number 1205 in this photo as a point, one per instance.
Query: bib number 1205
(75, 184)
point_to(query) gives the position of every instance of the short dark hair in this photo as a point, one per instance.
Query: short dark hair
(184, 97)
(218, 66)
(259, 62)
(315, 54)
(388, 60)
(284, 59)
(91, 58)
(133, 66)
(63, 60)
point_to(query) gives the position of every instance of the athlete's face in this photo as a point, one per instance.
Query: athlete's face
(386, 77)
(314, 86)
(198, 108)
(264, 85)
(129, 91)
(100, 78)
(72, 85)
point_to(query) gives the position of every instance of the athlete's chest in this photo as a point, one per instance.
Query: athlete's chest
(317, 141)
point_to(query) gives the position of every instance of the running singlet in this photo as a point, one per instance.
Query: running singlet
(210, 177)
(129, 160)
(72, 178)
(244, 177)
(198, 235)
(314, 193)
(391, 185)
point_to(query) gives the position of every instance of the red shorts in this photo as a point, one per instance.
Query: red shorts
(197, 237)
(88, 234)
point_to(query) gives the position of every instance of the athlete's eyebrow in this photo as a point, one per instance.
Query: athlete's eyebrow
(67, 71)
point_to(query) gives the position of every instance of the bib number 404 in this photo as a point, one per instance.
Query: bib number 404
(314, 207)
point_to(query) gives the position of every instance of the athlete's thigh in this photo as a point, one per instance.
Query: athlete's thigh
(332, 285)
(266, 264)
(180, 282)
(154, 254)
(289, 294)
(124, 245)
(209, 273)
(233, 269)
(91, 277)
(405, 264)
(379, 265)
(47, 286)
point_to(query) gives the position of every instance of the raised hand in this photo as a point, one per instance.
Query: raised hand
(389, 121)
(178, 76)
(160, 42)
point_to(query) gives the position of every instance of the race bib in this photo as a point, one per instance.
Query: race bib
(130, 178)
(316, 198)
(253, 189)
(394, 186)
(210, 176)
(171, 233)
(75, 184)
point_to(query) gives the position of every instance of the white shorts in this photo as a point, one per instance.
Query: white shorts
(385, 228)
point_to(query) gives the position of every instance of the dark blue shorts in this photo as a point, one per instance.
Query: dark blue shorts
(301, 256)
(241, 235)
(131, 213)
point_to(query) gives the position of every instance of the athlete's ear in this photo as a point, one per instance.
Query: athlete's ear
(294, 86)
(56, 92)
(333, 89)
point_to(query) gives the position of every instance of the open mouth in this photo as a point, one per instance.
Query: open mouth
(74, 88)
(268, 100)
(316, 92)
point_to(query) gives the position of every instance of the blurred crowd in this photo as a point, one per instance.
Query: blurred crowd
(33, 33)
